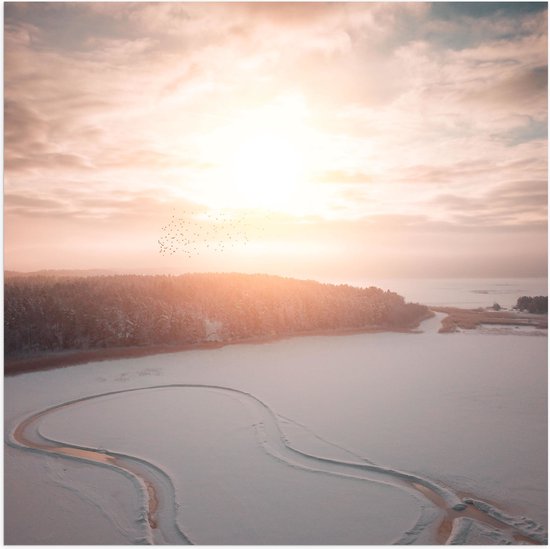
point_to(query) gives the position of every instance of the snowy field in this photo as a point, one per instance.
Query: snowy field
(358, 439)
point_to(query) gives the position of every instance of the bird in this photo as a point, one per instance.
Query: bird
(189, 234)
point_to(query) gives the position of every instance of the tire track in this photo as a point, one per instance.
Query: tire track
(160, 515)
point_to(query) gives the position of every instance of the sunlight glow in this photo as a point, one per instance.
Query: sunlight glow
(265, 156)
(266, 170)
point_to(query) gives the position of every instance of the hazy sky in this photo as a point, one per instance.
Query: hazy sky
(355, 140)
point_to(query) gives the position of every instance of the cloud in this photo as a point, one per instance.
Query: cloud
(458, 171)
(476, 10)
(520, 89)
(80, 204)
(457, 27)
(530, 131)
(23, 126)
(16, 200)
(522, 202)
(435, 114)
(344, 177)
(523, 187)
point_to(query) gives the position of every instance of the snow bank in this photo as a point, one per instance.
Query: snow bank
(467, 531)
(526, 526)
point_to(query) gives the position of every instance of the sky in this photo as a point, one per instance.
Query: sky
(327, 141)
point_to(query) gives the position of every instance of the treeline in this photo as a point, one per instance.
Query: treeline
(59, 313)
(536, 305)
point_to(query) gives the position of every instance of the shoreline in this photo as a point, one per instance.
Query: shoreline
(470, 319)
(62, 359)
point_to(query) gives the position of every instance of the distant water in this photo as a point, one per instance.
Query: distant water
(458, 292)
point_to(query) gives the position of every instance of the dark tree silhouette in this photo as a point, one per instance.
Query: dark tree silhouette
(44, 313)
(536, 305)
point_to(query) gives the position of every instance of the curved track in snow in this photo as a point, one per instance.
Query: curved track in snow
(159, 506)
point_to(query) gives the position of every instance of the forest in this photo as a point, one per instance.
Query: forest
(55, 313)
(535, 305)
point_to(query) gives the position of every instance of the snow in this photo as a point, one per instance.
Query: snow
(466, 412)
(471, 532)
(42, 493)
(525, 525)
(234, 493)
(512, 330)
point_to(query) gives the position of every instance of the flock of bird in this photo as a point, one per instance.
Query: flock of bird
(211, 232)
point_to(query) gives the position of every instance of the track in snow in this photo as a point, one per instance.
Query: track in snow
(159, 505)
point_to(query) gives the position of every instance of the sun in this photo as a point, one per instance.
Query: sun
(267, 169)
(265, 156)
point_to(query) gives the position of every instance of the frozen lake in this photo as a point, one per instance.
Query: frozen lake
(310, 440)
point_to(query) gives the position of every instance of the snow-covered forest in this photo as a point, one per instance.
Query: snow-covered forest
(44, 313)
